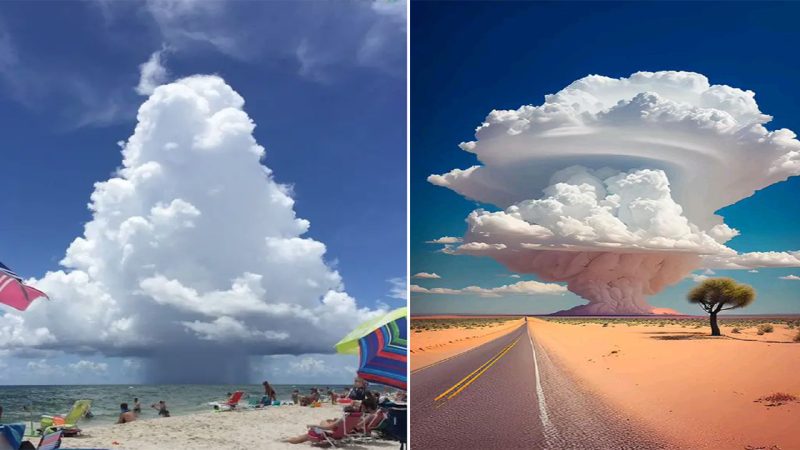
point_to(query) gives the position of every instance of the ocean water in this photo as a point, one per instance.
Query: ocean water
(26, 403)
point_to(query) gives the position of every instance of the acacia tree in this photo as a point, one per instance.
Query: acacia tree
(721, 294)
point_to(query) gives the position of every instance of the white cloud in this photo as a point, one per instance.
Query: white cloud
(753, 260)
(445, 240)
(426, 275)
(790, 277)
(399, 288)
(191, 243)
(152, 73)
(88, 366)
(321, 39)
(308, 366)
(659, 154)
(698, 278)
(520, 288)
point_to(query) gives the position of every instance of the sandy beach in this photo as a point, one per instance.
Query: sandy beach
(245, 430)
(700, 392)
(428, 347)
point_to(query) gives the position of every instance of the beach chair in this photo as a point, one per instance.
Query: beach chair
(50, 441)
(340, 434)
(233, 400)
(229, 404)
(69, 422)
(362, 432)
(394, 427)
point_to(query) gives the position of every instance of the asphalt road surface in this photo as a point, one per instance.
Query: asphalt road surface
(508, 394)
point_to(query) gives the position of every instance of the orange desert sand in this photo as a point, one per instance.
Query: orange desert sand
(242, 430)
(697, 391)
(428, 347)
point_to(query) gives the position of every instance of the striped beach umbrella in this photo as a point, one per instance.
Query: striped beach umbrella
(382, 346)
(383, 356)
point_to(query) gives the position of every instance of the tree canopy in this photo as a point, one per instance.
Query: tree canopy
(720, 294)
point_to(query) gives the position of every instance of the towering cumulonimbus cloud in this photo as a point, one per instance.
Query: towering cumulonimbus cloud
(612, 185)
(194, 258)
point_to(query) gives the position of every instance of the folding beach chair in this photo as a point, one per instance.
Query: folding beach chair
(69, 422)
(394, 427)
(344, 428)
(50, 441)
(234, 400)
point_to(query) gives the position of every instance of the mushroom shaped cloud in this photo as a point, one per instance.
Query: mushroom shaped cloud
(194, 258)
(612, 185)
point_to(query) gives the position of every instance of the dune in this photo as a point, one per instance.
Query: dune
(431, 346)
(242, 430)
(700, 392)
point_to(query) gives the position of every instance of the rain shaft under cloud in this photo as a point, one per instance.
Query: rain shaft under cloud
(612, 185)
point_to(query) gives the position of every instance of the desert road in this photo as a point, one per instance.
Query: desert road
(508, 394)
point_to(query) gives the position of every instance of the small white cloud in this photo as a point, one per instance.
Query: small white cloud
(790, 277)
(445, 240)
(308, 366)
(426, 275)
(520, 288)
(152, 73)
(83, 366)
(399, 288)
(697, 278)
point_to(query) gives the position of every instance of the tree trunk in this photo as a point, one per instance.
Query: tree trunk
(714, 326)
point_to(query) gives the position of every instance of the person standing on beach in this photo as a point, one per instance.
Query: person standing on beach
(137, 407)
(269, 392)
(125, 415)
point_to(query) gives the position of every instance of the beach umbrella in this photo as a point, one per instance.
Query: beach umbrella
(382, 345)
(13, 292)
(349, 344)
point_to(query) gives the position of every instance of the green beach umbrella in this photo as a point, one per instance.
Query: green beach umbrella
(349, 344)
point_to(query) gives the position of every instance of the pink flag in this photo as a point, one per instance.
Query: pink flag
(15, 294)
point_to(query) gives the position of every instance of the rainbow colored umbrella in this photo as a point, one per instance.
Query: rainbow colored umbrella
(382, 345)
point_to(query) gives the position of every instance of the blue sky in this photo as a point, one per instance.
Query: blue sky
(470, 59)
(325, 85)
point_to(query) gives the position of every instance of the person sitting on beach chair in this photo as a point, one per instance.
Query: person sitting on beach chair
(311, 398)
(329, 431)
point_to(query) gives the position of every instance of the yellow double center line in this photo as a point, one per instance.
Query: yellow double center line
(469, 379)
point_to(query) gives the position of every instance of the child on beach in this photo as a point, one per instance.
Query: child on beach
(137, 407)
